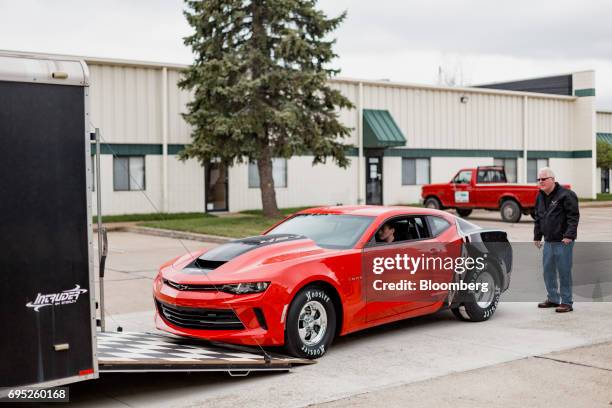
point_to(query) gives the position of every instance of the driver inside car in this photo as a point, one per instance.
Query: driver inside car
(386, 233)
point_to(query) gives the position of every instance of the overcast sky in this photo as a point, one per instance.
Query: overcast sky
(477, 41)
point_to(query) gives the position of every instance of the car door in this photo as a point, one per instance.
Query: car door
(413, 241)
(462, 189)
(490, 182)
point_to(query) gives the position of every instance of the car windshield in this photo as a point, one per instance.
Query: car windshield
(327, 230)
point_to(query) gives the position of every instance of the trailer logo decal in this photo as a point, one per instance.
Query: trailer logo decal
(61, 298)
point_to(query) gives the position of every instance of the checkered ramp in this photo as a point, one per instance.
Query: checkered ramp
(133, 351)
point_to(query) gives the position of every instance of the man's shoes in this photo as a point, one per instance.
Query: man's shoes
(564, 308)
(547, 303)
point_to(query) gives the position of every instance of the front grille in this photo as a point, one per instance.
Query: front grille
(202, 319)
(190, 286)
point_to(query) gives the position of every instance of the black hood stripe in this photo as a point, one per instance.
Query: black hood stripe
(223, 253)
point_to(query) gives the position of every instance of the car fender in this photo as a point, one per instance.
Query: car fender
(325, 275)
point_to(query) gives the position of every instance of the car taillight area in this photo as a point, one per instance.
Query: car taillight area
(200, 319)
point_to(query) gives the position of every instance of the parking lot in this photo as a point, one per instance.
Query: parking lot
(423, 353)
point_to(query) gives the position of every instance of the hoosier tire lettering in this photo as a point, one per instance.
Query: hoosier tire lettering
(311, 323)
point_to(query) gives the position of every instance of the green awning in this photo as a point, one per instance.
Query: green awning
(380, 130)
(605, 137)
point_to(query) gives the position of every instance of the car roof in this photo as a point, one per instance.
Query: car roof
(372, 210)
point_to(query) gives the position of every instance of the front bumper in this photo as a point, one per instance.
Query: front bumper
(258, 316)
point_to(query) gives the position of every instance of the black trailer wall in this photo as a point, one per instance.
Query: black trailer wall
(43, 234)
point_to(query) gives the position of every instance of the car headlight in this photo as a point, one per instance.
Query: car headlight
(243, 288)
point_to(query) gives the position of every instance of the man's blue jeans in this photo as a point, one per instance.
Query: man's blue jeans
(558, 258)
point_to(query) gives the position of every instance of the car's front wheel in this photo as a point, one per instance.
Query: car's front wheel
(478, 305)
(311, 323)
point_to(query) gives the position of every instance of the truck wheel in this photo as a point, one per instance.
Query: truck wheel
(510, 211)
(433, 203)
(479, 306)
(464, 212)
(311, 323)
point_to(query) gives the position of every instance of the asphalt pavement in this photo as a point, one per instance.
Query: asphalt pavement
(427, 361)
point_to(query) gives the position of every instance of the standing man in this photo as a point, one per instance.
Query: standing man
(556, 219)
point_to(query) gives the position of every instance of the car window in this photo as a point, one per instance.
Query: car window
(464, 177)
(438, 225)
(327, 230)
(491, 176)
(405, 229)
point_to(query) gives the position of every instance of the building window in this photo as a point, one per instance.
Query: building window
(279, 173)
(509, 167)
(129, 173)
(533, 166)
(415, 171)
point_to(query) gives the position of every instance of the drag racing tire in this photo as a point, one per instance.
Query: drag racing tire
(311, 323)
(478, 306)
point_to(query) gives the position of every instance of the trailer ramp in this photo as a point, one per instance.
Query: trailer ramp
(150, 352)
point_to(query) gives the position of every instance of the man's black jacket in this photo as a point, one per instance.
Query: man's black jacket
(556, 215)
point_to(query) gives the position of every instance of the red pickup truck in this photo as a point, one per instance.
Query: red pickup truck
(482, 187)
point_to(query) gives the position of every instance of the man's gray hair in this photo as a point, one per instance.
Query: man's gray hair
(547, 172)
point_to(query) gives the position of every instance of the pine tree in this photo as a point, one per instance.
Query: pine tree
(260, 87)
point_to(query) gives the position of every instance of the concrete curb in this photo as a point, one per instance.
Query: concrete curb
(595, 204)
(177, 234)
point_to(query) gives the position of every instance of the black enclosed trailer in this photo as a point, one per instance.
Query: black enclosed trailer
(46, 256)
(48, 309)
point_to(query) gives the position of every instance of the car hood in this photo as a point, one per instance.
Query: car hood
(250, 258)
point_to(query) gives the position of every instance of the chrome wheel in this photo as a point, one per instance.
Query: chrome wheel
(508, 212)
(312, 323)
(484, 299)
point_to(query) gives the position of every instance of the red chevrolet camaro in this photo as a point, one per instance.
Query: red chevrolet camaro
(330, 271)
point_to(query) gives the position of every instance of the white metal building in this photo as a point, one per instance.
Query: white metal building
(403, 135)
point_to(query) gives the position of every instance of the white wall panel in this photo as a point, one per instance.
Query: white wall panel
(185, 185)
(394, 193)
(444, 168)
(550, 124)
(130, 202)
(179, 130)
(431, 118)
(604, 122)
(323, 184)
(349, 116)
(576, 172)
(125, 103)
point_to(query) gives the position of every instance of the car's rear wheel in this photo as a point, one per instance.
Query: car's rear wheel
(311, 323)
(478, 306)
(433, 203)
(464, 212)
(510, 211)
